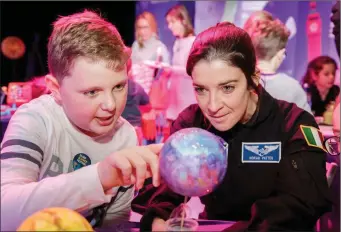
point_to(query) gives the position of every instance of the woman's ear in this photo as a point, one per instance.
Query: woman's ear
(256, 79)
(54, 87)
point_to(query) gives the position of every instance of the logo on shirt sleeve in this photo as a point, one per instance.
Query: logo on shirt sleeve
(261, 152)
(313, 136)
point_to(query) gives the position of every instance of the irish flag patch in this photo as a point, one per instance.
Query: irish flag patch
(313, 136)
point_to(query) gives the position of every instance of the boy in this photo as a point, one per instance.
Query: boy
(72, 148)
(269, 37)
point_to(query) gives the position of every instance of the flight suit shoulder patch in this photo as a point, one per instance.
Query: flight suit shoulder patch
(313, 136)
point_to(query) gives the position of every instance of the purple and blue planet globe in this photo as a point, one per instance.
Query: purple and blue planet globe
(193, 162)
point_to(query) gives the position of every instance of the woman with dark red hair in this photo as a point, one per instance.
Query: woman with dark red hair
(275, 178)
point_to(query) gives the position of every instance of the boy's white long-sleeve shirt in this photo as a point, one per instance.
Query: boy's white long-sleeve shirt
(37, 169)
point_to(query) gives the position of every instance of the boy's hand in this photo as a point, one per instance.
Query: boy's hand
(130, 166)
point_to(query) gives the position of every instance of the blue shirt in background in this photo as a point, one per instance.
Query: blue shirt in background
(136, 97)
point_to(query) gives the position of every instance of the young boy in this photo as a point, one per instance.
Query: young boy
(269, 37)
(72, 148)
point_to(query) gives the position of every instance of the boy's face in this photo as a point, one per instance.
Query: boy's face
(93, 96)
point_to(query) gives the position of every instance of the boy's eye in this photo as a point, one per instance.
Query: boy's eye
(91, 93)
(119, 87)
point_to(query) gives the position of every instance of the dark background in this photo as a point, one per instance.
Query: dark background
(32, 20)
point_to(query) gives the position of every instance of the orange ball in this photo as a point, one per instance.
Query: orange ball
(13, 47)
(55, 219)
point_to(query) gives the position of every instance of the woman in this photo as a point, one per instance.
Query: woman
(147, 47)
(320, 78)
(181, 93)
(285, 189)
(146, 51)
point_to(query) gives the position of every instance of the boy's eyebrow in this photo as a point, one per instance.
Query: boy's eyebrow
(90, 88)
(98, 87)
(122, 82)
(220, 84)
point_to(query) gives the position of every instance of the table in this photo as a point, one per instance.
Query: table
(213, 225)
(204, 225)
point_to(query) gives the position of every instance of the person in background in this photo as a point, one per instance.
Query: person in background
(137, 104)
(255, 18)
(147, 52)
(333, 218)
(320, 77)
(181, 92)
(72, 148)
(269, 37)
(284, 190)
(147, 47)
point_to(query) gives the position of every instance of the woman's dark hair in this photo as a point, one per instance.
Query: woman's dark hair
(315, 66)
(228, 43)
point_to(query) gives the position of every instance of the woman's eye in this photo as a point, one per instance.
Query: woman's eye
(198, 90)
(228, 88)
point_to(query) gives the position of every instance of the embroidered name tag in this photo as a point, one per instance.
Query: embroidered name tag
(261, 152)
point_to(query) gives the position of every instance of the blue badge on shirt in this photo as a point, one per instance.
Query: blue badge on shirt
(80, 160)
(261, 152)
